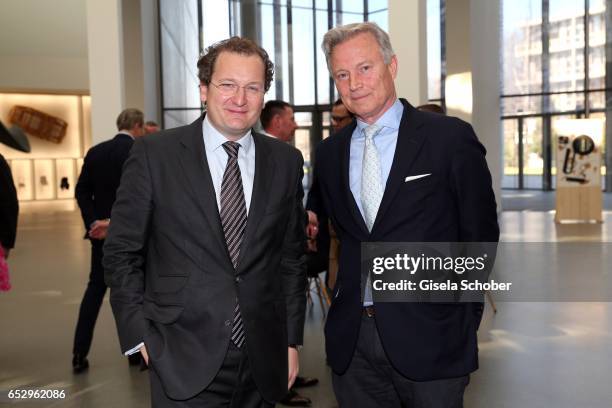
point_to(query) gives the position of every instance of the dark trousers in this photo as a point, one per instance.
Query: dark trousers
(233, 387)
(90, 305)
(371, 381)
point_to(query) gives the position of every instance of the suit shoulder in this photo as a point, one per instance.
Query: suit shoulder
(333, 144)
(446, 129)
(277, 146)
(165, 138)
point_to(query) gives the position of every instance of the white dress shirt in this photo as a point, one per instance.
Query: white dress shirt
(217, 160)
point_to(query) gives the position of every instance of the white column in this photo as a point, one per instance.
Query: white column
(486, 109)
(132, 54)
(150, 59)
(408, 32)
(472, 68)
(105, 54)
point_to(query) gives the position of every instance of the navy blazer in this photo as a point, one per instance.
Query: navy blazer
(100, 176)
(455, 203)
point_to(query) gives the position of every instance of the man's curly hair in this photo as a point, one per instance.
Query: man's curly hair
(237, 45)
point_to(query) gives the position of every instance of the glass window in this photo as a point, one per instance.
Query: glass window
(377, 5)
(381, 18)
(352, 6)
(303, 57)
(176, 118)
(597, 43)
(533, 162)
(521, 47)
(322, 71)
(179, 52)
(215, 21)
(566, 45)
(524, 59)
(266, 16)
(511, 163)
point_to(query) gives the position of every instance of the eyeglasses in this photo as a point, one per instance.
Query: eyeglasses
(230, 89)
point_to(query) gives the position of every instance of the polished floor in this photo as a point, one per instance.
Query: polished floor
(531, 354)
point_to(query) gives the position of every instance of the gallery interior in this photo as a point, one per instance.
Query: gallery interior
(532, 77)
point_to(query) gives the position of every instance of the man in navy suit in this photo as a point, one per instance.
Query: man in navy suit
(396, 174)
(95, 193)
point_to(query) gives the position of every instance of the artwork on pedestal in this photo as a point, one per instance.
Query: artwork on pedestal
(579, 152)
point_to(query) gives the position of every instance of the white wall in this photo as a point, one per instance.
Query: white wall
(43, 46)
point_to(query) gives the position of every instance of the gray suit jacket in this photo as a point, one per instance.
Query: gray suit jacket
(171, 279)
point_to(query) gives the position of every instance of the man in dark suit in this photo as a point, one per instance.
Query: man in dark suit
(95, 193)
(397, 175)
(205, 252)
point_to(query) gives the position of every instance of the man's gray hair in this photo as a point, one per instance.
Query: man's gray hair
(338, 35)
(129, 118)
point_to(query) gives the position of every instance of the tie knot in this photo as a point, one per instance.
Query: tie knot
(371, 131)
(231, 148)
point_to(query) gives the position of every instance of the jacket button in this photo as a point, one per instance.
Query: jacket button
(238, 279)
(228, 323)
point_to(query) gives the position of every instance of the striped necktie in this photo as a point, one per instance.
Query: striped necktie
(233, 220)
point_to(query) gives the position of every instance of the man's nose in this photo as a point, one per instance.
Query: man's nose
(239, 97)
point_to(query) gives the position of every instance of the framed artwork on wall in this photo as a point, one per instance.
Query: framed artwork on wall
(22, 176)
(65, 178)
(44, 179)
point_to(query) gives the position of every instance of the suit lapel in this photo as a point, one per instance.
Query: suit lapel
(409, 143)
(195, 168)
(264, 171)
(345, 154)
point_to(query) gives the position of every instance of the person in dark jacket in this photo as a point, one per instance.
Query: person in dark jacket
(9, 207)
(95, 193)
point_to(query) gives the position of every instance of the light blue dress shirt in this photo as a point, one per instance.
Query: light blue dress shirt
(217, 160)
(385, 142)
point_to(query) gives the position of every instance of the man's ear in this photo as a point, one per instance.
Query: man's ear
(393, 67)
(203, 92)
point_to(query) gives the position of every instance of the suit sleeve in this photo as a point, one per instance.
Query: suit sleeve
(124, 248)
(472, 184)
(293, 264)
(84, 193)
(9, 206)
(314, 201)
(477, 208)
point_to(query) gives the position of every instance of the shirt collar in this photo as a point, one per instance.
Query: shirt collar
(390, 119)
(213, 139)
(268, 134)
(125, 132)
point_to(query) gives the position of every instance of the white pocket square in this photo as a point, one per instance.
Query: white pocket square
(410, 178)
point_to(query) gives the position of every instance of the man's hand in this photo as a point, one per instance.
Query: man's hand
(313, 225)
(294, 365)
(99, 229)
(145, 356)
